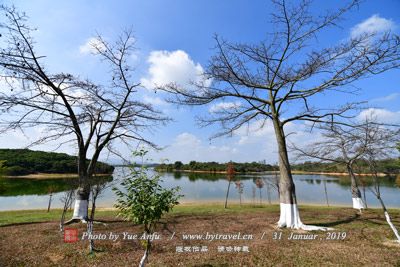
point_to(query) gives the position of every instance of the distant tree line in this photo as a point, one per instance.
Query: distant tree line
(25, 161)
(385, 166)
(389, 166)
(216, 167)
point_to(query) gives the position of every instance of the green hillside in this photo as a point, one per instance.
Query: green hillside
(25, 161)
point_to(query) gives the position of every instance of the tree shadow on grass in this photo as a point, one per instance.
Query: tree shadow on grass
(339, 222)
(370, 220)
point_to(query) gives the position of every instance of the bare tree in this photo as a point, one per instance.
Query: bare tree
(259, 184)
(239, 186)
(277, 80)
(326, 193)
(230, 174)
(342, 145)
(50, 190)
(382, 143)
(98, 186)
(71, 109)
(67, 200)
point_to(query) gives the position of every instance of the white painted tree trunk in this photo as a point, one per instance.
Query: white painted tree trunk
(145, 256)
(143, 260)
(289, 213)
(81, 209)
(290, 218)
(358, 203)
(396, 233)
(81, 204)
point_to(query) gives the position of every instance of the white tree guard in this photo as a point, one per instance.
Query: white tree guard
(80, 209)
(358, 203)
(290, 218)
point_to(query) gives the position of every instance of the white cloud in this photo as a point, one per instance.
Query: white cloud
(154, 101)
(186, 147)
(88, 46)
(187, 139)
(224, 106)
(374, 24)
(172, 67)
(381, 115)
(248, 144)
(386, 98)
(259, 138)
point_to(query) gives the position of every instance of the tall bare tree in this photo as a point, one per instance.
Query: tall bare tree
(92, 116)
(277, 79)
(342, 145)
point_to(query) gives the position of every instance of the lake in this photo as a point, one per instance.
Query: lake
(17, 194)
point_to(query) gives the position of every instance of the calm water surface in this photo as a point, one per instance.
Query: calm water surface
(311, 189)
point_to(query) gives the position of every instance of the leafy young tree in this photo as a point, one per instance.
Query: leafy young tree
(90, 115)
(144, 201)
(278, 79)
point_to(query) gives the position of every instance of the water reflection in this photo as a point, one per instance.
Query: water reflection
(311, 189)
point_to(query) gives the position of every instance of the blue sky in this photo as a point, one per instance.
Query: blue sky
(174, 39)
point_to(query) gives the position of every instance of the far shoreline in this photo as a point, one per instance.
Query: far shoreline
(277, 172)
(39, 176)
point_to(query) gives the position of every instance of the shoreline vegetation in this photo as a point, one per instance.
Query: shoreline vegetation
(367, 231)
(25, 163)
(386, 167)
(277, 172)
(51, 176)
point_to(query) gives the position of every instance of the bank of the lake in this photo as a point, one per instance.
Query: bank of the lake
(51, 176)
(367, 236)
(380, 174)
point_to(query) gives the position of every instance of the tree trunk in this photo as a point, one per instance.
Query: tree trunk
(81, 204)
(146, 252)
(377, 193)
(365, 197)
(289, 216)
(67, 205)
(227, 194)
(387, 216)
(48, 207)
(289, 213)
(358, 203)
(83, 191)
(326, 193)
(90, 224)
(144, 258)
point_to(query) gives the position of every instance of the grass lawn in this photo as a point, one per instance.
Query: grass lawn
(31, 238)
